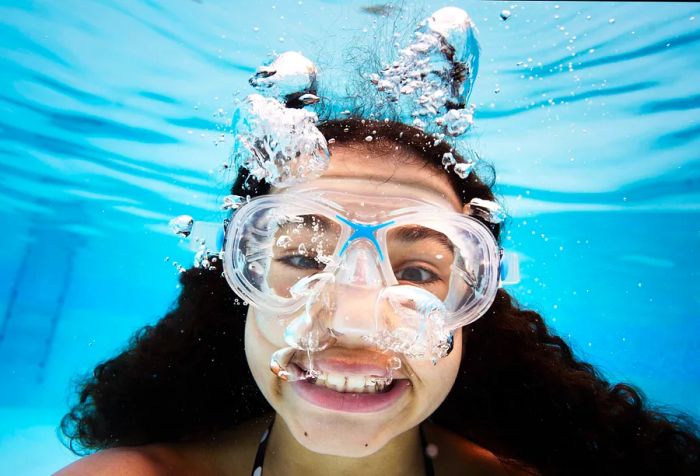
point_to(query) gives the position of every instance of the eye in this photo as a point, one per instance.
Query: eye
(415, 274)
(301, 262)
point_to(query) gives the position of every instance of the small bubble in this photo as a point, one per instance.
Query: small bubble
(611, 21)
(505, 14)
(394, 363)
(182, 225)
(255, 28)
(331, 141)
(232, 202)
(284, 241)
(448, 159)
(369, 138)
(462, 170)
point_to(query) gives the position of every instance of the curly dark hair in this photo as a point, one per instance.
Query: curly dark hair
(520, 392)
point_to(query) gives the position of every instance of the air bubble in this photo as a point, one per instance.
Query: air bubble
(448, 159)
(505, 14)
(232, 202)
(182, 225)
(463, 169)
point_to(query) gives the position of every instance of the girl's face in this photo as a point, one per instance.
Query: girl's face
(324, 418)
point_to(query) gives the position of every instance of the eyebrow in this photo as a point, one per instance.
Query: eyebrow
(417, 232)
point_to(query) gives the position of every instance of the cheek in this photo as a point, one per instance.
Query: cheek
(436, 381)
(258, 351)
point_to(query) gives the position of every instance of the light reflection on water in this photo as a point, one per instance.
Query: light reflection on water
(111, 113)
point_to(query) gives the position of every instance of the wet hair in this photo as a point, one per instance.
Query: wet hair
(520, 392)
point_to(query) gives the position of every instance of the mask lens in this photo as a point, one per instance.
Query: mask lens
(421, 256)
(278, 249)
(453, 263)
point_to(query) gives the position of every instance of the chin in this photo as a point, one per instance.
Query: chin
(345, 436)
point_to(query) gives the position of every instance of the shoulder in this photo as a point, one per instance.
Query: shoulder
(455, 454)
(127, 461)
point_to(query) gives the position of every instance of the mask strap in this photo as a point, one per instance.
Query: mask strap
(509, 268)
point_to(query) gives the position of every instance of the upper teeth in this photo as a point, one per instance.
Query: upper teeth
(352, 383)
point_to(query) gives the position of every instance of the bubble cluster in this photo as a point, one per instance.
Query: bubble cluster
(278, 144)
(432, 78)
(420, 332)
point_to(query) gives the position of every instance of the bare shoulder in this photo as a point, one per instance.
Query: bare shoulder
(127, 461)
(455, 454)
(212, 456)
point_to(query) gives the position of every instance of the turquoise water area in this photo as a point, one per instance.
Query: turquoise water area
(112, 121)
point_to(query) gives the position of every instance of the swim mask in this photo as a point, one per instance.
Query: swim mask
(399, 273)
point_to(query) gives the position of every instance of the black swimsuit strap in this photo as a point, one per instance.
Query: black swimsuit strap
(260, 455)
(427, 460)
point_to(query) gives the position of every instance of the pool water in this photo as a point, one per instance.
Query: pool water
(114, 120)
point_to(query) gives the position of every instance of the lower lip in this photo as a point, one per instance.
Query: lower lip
(352, 402)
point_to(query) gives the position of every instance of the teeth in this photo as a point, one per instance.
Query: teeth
(336, 382)
(352, 383)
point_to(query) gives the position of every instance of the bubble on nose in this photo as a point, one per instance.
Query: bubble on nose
(310, 331)
(412, 323)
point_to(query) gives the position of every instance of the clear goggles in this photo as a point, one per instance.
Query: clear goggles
(413, 269)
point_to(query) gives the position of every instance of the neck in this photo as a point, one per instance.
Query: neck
(285, 456)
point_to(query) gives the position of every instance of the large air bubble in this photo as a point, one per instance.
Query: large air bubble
(432, 78)
(412, 323)
(278, 144)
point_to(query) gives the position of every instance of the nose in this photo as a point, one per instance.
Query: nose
(358, 283)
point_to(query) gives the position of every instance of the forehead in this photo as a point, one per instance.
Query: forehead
(376, 171)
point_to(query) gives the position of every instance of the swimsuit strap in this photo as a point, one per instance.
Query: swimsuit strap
(427, 460)
(260, 455)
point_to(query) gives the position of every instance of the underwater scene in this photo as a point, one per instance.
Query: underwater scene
(120, 115)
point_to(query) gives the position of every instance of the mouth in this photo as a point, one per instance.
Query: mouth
(351, 393)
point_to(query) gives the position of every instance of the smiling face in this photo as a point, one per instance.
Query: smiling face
(347, 411)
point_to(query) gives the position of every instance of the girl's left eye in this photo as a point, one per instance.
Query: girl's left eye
(415, 274)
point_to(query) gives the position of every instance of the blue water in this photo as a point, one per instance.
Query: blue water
(111, 119)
